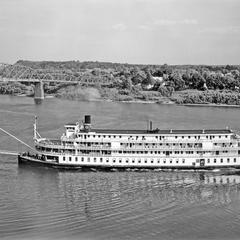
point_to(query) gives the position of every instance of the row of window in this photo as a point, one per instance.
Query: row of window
(162, 144)
(144, 145)
(147, 161)
(156, 137)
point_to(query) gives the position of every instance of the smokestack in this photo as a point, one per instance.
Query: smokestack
(87, 122)
(87, 119)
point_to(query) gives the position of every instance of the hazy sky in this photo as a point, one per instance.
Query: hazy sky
(132, 31)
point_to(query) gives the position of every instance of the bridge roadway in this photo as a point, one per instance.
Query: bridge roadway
(2, 79)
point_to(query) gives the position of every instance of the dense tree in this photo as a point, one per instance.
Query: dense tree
(149, 79)
(176, 81)
(137, 75)
(127, 83)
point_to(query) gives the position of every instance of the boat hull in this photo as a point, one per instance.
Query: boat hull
(41, 163)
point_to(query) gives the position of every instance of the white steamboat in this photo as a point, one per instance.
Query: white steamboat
(84, 147)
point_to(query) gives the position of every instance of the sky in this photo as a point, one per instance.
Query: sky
(125, 31)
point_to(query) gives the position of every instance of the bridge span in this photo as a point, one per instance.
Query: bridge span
(21, 73)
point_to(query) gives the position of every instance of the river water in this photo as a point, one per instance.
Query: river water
(39, 203)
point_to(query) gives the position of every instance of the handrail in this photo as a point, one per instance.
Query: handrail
(136, 148)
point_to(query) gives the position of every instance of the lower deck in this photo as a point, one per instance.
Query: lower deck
(73, 161)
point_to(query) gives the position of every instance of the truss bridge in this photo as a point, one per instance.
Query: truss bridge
(24, 74)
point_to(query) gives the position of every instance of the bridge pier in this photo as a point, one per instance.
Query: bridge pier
(38, 91)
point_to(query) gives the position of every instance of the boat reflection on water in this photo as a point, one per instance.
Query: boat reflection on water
(120, 188)
(116, 205)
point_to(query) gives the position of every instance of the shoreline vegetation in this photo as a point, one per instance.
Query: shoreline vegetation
(190, 85)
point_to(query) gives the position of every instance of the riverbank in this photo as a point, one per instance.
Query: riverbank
(209, 105)
(164, 102)
(111, 94)
(208, 97)
(188, 97)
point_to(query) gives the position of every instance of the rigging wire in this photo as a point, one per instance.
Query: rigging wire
(19, 140)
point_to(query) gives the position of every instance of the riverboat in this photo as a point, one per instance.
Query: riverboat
(84, 147)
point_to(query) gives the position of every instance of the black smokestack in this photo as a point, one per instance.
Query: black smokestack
(150, 125)
(87, 119)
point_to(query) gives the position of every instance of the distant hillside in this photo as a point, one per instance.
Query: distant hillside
(77, 65)
(73, 65)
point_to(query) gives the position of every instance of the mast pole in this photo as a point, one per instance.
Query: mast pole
(35, 128)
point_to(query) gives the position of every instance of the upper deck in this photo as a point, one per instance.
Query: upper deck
(158, 131)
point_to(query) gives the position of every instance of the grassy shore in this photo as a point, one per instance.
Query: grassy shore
(110, 94)
(188, 97)
(209, 97)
